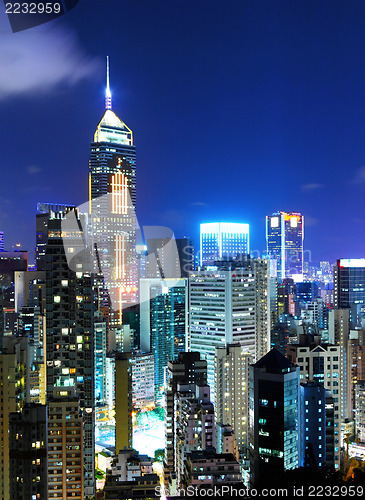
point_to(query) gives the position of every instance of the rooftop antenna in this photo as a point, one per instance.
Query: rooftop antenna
(108, 95)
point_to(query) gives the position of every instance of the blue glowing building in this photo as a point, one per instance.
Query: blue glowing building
(223, 241)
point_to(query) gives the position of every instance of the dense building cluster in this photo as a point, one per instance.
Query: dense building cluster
(254, 363)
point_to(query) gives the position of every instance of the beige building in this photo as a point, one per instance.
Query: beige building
(232, 388)
(65, 447)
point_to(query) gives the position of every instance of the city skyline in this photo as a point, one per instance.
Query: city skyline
(51, 116)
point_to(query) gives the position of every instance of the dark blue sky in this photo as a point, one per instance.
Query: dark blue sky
(238, 108)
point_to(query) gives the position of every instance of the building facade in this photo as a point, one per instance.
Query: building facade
(231, 370)
(320, 363)
(163, 323)
(222, 241)
(274, 421)
(222, 305)
(69, 327)
(187, 369)
(66, 463)
(284, 238)
(112, 192)
(28, 436)
(349, 288)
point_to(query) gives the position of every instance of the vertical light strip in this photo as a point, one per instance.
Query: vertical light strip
(120, 306)
(119, 194)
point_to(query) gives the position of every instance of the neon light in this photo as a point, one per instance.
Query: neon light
(119, 194)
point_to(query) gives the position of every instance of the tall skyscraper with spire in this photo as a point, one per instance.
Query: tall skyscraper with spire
(112, 193)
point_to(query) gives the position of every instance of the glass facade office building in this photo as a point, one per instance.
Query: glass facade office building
(222, 241)
(112, 193)
(284, 239)
(349, 288)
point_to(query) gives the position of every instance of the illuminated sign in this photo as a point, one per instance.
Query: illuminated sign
(352, 262)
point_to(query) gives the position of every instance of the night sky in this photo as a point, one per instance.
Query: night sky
(238, 108)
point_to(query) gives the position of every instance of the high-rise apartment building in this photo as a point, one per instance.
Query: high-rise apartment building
(263, 306)
(66, 457)
(10, 263)
(320, 363)
(317, 421)
(14, 393)
(231, 371)
(187, 369)
(360, 410)
(69, 327)
(349, 288)
(339, 333)
(143, 380)
(223, 241)
(163, 323)
(316, 313)
(195, 426)
(112, 190)
(274, 422)
(221, 311)
(28, 436)
(284, 238)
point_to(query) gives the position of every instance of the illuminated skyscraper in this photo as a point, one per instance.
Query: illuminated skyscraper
(112, 192)
(349, 288)
(284, 238)
(222, 241)
(69, 344)
(221, 311)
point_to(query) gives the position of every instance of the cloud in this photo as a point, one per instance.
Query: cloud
(311, 187)
(198, 204)
(359, 177)
(33, 169)
(39, 60)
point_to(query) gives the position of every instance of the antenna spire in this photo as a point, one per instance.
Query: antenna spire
(108, 95)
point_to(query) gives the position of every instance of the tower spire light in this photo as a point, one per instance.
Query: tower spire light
(108, 95)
